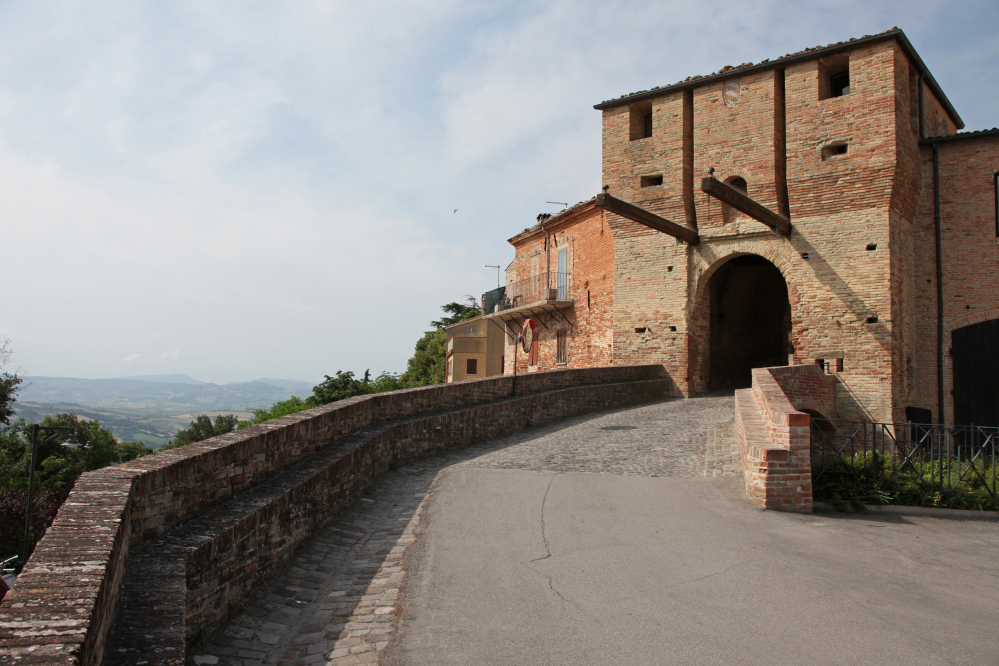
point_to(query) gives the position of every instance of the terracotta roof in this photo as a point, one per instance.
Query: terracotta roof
(960, 136)
(730, 71)
(557, 217)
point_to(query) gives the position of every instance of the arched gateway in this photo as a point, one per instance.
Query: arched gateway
(749, 320)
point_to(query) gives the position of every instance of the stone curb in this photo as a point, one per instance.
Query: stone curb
(955, 514)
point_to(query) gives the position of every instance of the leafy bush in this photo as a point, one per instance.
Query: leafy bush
(203, 428)
(13, 507)
(872, 478)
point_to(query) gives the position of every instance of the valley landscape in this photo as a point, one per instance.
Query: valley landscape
(150, 408)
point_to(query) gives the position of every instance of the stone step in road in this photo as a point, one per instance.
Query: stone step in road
(337, 602)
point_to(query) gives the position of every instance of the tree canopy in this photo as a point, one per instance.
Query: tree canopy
(203, 428)
(9, 384)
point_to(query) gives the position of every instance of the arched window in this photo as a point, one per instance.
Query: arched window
(729, 214)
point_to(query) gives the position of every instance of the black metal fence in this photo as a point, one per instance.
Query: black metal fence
(859, 462)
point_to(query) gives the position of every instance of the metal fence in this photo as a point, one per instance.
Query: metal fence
(544, 287)
(904, 463)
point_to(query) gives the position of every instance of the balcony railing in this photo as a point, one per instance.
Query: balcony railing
(544, 287)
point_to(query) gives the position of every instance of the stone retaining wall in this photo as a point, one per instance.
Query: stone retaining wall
(774, 437)
(62, 606)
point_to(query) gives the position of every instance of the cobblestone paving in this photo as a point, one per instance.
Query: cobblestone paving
(336, 602)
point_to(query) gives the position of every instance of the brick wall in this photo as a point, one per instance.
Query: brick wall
(849, 265)
(62, 606)
(774, 436)
(970, 257)
(584, 234)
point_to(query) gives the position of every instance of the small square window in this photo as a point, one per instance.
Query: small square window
(652, 181)
(472, 366)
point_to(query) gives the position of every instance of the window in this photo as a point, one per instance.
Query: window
(449, 369)
(651, 181)
(640, 120)
(840, 84)
(562, 348)
(472, 366)
(834, 150)
(834, 76)
(729, 214)
(563, 275)
(995, 190)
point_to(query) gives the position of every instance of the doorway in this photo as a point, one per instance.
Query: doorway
(750, 321)
(976, 374)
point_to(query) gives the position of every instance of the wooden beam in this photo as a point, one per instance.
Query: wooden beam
(644, 217)
(742, 202)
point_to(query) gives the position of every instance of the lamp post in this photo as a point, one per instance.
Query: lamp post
(70, 443)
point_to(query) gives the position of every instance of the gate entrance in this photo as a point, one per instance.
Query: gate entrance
(750, 320)
(976, 374)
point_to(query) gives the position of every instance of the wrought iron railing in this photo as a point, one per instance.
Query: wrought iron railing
(858, 462)
(544, 287)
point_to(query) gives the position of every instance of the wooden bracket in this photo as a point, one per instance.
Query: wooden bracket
(644, 217)
(742, 202)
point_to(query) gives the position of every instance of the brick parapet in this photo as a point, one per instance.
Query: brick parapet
(61, 609)
(774, 437)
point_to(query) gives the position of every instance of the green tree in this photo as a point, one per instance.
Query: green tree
(203, 428)
(9, 384)
(57, 466)
(429, 362)
(458, 312)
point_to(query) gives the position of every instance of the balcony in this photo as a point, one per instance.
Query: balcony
(547, 292)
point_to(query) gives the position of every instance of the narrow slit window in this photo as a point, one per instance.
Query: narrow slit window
(652, 181)
(995, 191)
(834, 150)
(648, 125)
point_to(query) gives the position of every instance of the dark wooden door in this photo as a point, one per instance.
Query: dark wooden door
(976, 374)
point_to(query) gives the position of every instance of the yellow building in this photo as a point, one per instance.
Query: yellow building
(474, 350)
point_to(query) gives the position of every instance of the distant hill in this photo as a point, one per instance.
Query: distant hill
(134, 393)
(286, 383)
(168, 379)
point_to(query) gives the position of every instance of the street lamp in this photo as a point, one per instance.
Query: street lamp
(70, 443)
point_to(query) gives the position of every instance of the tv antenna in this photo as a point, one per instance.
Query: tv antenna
(559, 203)
(497, 275)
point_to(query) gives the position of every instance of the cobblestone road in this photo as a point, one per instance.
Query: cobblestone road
(336, 603)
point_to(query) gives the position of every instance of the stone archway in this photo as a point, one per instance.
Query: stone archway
(748, 319)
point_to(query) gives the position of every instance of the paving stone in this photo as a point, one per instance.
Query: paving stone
(353, 592)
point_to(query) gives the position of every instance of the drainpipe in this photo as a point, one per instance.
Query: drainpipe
(940, 304)
(548, 261)
(922, 131)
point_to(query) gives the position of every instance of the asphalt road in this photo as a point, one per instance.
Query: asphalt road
(535, 567)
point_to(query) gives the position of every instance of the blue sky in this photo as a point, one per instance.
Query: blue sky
(236, 190)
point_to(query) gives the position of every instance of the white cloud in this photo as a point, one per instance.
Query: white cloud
(270, 187)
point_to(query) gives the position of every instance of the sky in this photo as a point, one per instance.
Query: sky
(234, 190)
